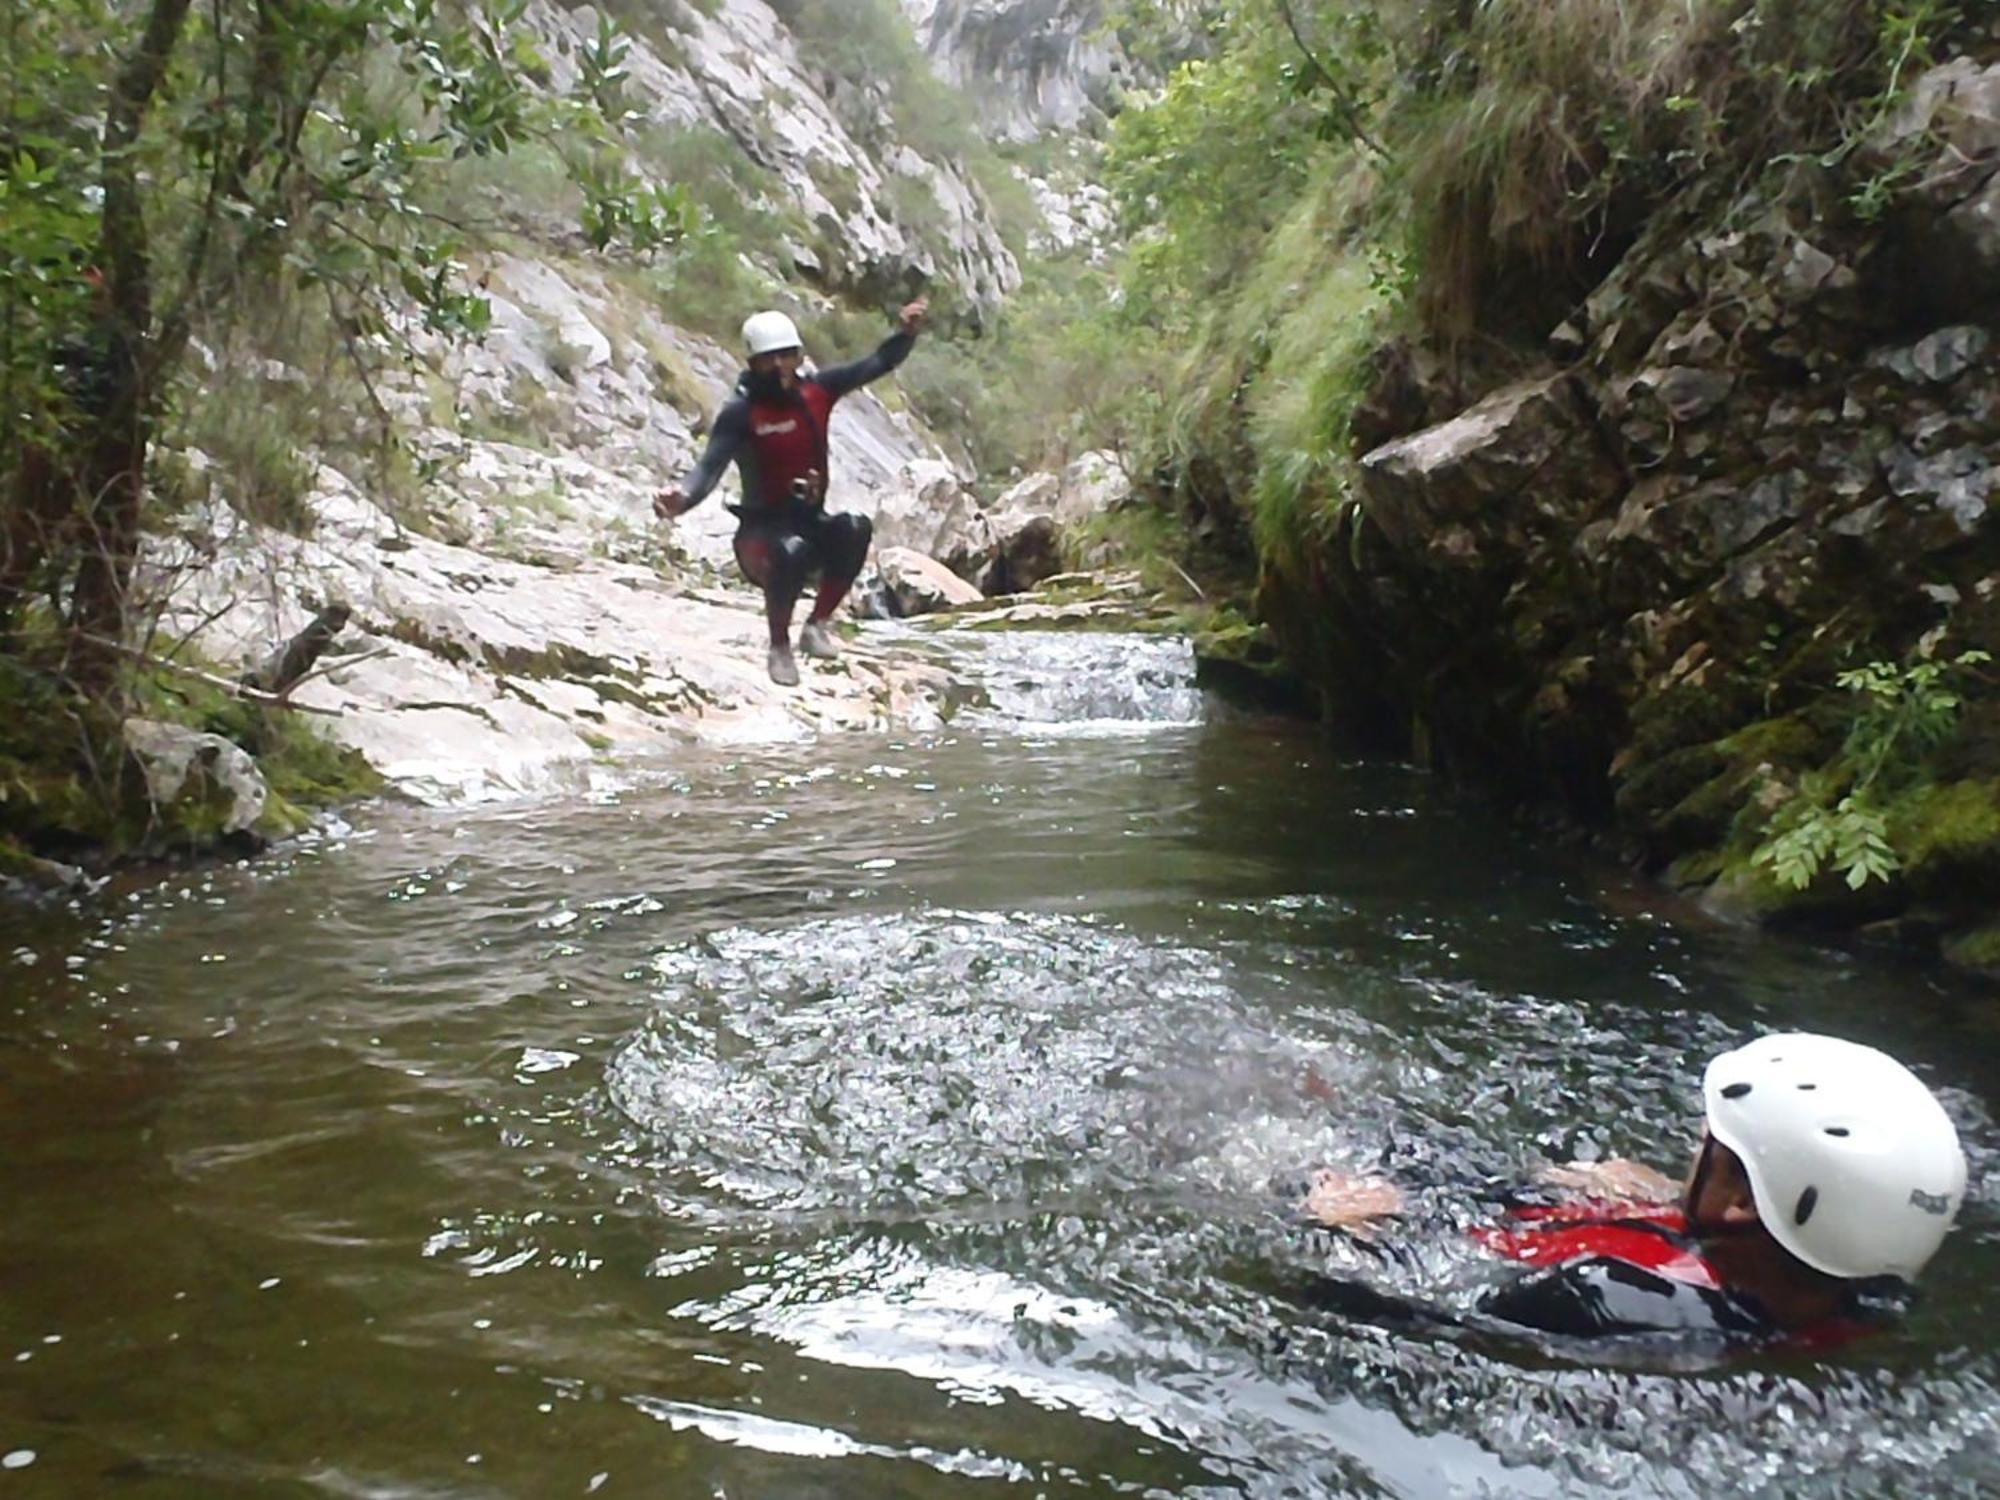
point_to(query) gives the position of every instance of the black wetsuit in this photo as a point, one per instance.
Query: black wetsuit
(1607, 1271)
(778, 441)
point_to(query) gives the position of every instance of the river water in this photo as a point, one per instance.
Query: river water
(906, 1117)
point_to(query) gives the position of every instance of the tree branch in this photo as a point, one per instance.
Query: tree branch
(235, 689)
(1343, 102)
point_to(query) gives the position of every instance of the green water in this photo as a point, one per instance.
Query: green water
(891, 1118)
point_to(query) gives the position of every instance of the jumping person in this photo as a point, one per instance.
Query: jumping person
(1827, 1172)
(775, 430)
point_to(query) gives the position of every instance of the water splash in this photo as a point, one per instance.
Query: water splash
(1043, 1158)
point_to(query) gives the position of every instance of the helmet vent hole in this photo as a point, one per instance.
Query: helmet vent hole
(1736, 1091)
(1808, 1201)
(1807, 1088)
(1839, 1130)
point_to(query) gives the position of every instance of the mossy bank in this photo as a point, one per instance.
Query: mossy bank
(172, 768)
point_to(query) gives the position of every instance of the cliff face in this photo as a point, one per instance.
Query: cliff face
(831, 147)
(1030, 66)
(1763, 455)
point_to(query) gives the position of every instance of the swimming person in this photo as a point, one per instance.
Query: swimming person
(1827, 1175)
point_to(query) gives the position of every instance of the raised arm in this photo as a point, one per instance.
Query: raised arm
(893, 351)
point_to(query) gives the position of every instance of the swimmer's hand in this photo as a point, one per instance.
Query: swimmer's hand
(1351, 1203)
(1625, 1181)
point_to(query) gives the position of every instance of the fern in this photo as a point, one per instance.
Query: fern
(1907, 711)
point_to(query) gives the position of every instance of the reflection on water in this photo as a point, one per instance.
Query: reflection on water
(885, 1119)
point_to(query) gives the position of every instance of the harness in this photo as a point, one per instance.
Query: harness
(787, 444)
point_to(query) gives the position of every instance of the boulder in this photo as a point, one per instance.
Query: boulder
(1036, 495)
(1946, 233)
(1446, 489)
(187, 765)
(920, 585)
(930, 511)
(1091, 485)
(1027, 548)
(1943, 356)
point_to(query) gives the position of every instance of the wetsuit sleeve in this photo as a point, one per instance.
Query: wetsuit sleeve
(852, 376)
(725, 439)
(1600, 1297)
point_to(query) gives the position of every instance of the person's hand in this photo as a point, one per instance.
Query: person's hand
(1352, 1203)
(1629, 1181)
(669, 503)
(916, 315)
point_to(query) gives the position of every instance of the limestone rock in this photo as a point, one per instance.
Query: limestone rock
(183, 764)
(930, 511)
(1030, 66)
(482, 676)
(734, 67)
(1027, 548)
(1943, 356)
(920, 585)
(1091, 485)
(1028, 521)
(1037, 494)
(1444, 488)
(1771, 456)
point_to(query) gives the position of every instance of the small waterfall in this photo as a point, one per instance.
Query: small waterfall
(1079, 681)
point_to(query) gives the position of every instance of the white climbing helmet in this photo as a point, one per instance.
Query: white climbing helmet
(767, 332)
(1854, 1165)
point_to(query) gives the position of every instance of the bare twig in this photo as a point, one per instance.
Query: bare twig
(1199, 592)
(295, 658)
(234, 689)
(338, 666)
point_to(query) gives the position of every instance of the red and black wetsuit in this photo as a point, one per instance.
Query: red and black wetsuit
(1601, 1270)
(777, 438)
(1614, 1268)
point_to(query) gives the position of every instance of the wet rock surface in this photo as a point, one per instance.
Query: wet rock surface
(550, 659)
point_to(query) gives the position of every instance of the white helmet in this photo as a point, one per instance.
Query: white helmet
(766, 332)
(1854, 1165)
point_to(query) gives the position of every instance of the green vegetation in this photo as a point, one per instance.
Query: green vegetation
(867, 47)
(1062, 370)
(1840, 814)
(69, 790)
(236, 181)
(1329, 177)
(1349, 221)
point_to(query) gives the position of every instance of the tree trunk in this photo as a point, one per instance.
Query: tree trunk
(37, 512)
(114, 461)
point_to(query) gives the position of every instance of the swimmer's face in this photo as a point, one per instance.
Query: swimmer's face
(1717, 1197)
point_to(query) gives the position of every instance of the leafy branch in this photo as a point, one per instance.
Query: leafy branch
(1906, 712)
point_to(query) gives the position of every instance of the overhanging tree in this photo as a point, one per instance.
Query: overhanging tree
(161, 160)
